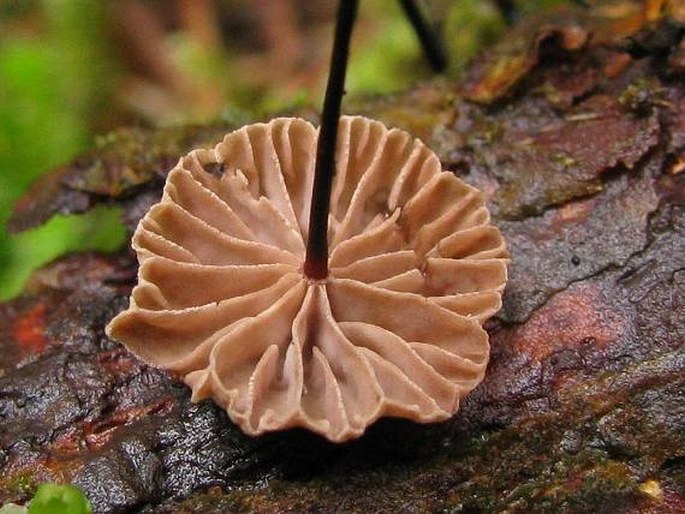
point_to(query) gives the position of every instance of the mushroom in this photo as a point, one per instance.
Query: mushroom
(393, 329)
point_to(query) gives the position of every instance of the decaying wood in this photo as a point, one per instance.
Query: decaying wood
(583, 405)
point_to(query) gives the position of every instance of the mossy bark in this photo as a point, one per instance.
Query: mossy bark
(583, 405)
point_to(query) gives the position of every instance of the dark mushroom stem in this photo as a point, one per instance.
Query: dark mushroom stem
(508, 10)
(316, 261)
(431, 44)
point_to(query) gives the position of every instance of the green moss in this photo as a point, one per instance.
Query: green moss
(642, 95)
(563, 159)
(22, 485)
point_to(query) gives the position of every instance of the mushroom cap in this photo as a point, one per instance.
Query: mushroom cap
(415, 268)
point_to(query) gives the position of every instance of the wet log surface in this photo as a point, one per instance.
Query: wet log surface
(583, 406)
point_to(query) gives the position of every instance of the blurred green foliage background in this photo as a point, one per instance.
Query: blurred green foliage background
(71, 69)
(51, 80)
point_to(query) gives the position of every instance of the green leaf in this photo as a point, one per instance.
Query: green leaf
(59, 499)
(98, 230)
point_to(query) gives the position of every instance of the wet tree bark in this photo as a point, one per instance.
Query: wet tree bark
(580, 148)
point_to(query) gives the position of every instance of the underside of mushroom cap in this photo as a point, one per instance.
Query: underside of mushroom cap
(394, 330)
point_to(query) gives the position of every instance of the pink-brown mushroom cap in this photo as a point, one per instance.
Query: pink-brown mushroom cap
(395, 329)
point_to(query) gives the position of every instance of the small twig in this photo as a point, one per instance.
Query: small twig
(431, 44)
(582, 116)
(316, 261)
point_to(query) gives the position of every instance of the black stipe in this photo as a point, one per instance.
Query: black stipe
(316, 261)
(431, 44)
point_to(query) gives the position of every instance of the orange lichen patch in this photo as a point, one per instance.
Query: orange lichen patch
(676, 10)
(678, 165)
(512, 60)
(604, 24)
(573, 213)
(566, 321)
(617, 64)
(29, 330)
(504, 73)
(619, 19)
(653, 9)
